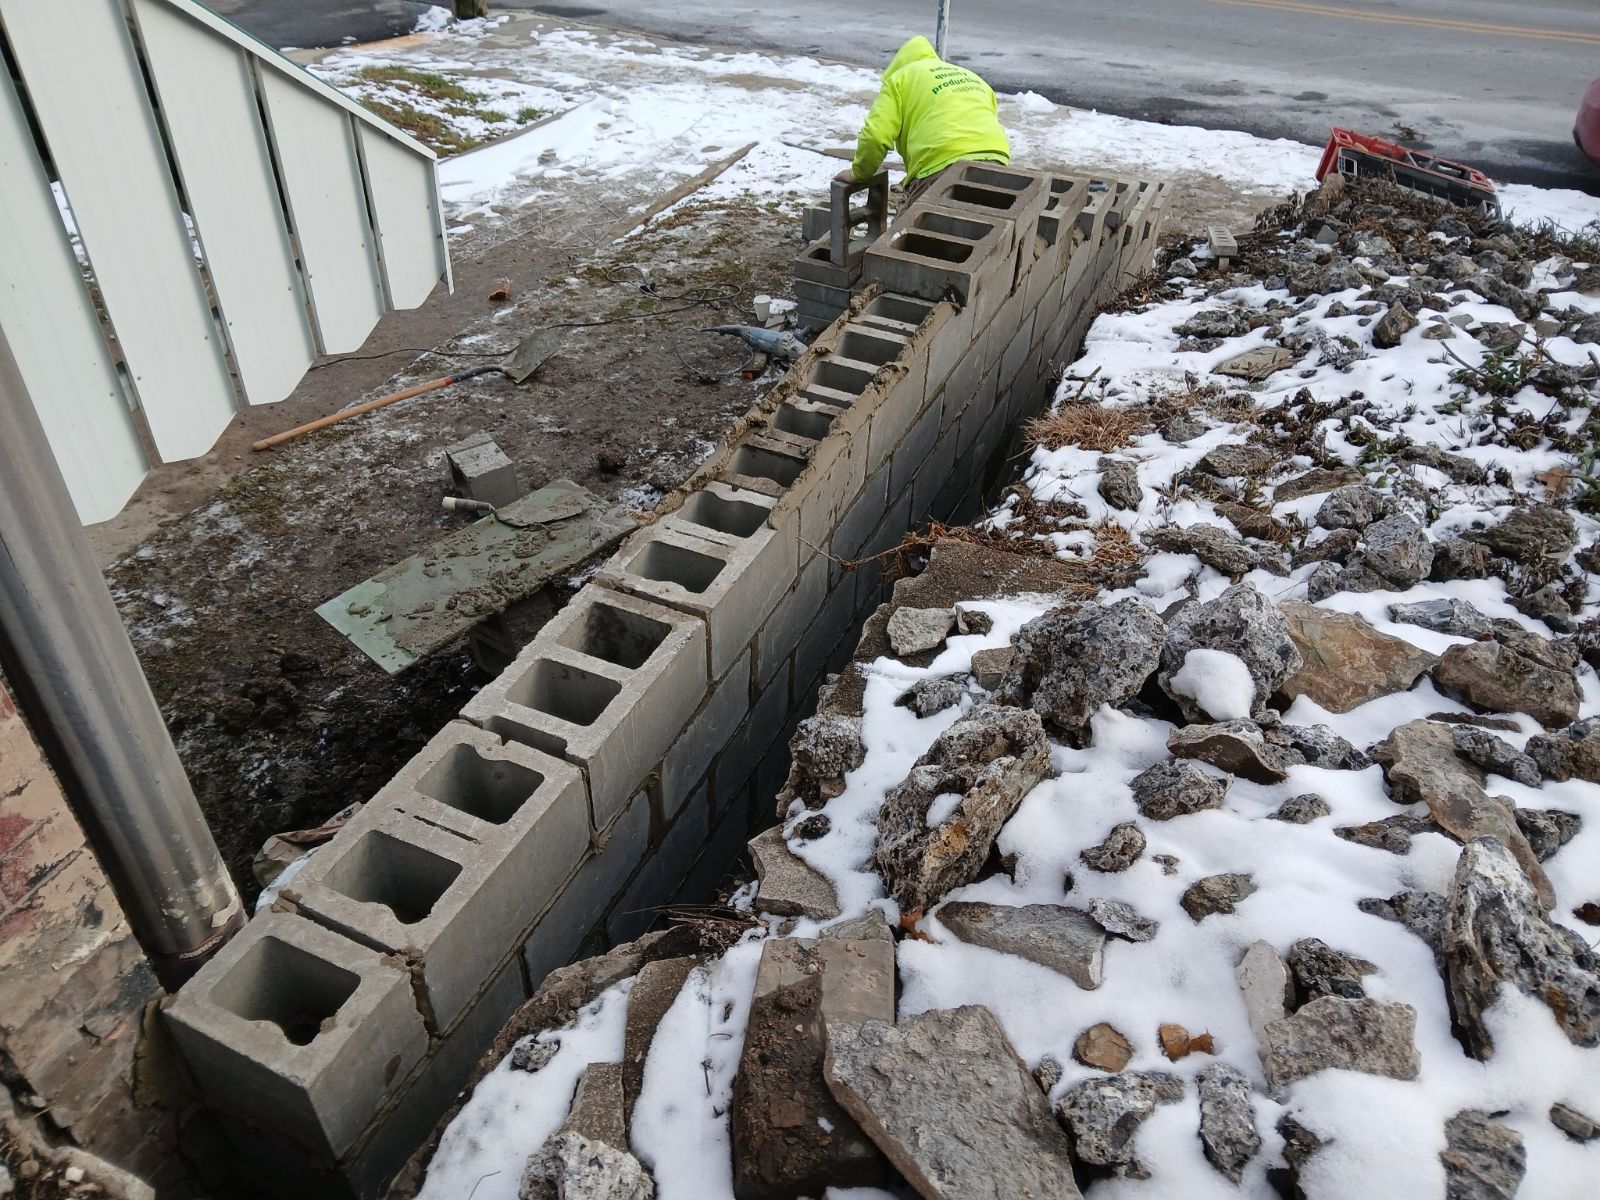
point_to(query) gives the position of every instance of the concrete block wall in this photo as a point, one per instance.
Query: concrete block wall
(638, 741)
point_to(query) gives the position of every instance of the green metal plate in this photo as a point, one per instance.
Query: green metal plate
(423, 604)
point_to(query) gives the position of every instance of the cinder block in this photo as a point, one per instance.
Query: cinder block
(589, 894)
(716, 861)
(731, 585)
(789, 621)
(934, 254)
(448, 905)
(832, 623)
(741, 519)
(896, 314)
(822, 294)
(913, 451)
(805, 418)
(298, 1029)
(932, 476)
(750, 741)
(815, 263)
(480, 470)
(607, 683)
(661, 872)
(1016, 351)
(893, 417)
(708, 731)
(859, 519)
(991, 190)
(815, 220)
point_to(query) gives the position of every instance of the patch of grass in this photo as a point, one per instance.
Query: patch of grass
(426, 83)
(528, 115)
(1088, 426)
(432, 130)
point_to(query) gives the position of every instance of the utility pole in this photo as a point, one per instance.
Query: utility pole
(467, 9)
(66, 653)
(941, 29)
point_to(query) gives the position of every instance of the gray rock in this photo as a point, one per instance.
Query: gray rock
(1119, 851)
(913, 630)
(1241, 622)
(1237, 747)
(1070, 661)
(1332, 1033)
(1573, 753)
(1102, 1115)
(1422, 767)
(1455, 617)
(1457, 558)
(1235, 459)
(1176, 788)
(1496, 932)
(1482, 1160)
(1495, 677)
(1392, 834)
(1300, 1145)
(1302, 809)
(1419, 911)
(991, 758)
(1216, 894)
(1549, 605)
(1345, 661)
(597, 1106)
(532, 1055)
(1531, 535)
(1547, 829)
(1227, 1120)
(654, 991)
(790, 1137)
(1215, 323)
(1393, 326)
(1182, 429)
(1265, 987)
(1183, 268)
(571, 1167)
(1048, 1073)
(1354, 506)
(1398, 549)
(1326, 579)
(1495, 755)
(1211, 544)
(825, 748)
(1317, 746)
(1066, 940)
(990, 667)
(1320, 970)
(946, 1098)
(1573, 1123)
(1167, 862)
(1121, 919)
(788, 886)
(1119, 483)
(1372, 246)
(929, 696)
(1318, 479)
(871, 926)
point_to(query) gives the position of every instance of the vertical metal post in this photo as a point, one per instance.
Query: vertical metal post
(66, 654)
(941, 29)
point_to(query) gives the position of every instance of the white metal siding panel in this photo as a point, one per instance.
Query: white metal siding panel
(328, 208)
(208, 101)
(53, 331)
(405, 203)
(113, 164)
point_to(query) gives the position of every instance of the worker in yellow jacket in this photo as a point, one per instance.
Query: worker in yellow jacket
(934, 113)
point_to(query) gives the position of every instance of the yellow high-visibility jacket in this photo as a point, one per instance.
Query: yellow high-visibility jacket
(933, 112)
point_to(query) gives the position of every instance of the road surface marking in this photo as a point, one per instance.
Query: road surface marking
(1442, 23)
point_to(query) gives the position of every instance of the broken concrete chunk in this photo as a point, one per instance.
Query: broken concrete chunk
(1346, 662)
(1119, 483)
(1573, 753)
(1121, 919)
(788, 886)
(929, 696)
(1398, 549)
(1265, 986)
(1421, 765)
(946, 1098)
(1483, 1160)
(1119, 851)
(790, 1137)
(597, 1106)
(990, 667)
(1302, 809)
(1227, 1120)
(1353, 507)
(1103, 1047)
(571, 1167)
(1494, 677)
(1496, 932)
(1573, 1123)
(823, 751)
(914, 630)
(1241, 622)
(1102, 1115)
(1320, 970)
(991, 758)
(653, 992)
(1318, 479)
(532, 1055)
(1454, 617)
(870, 926)
(1333, 1033)
(1391, 834)
(1495, 755)
(1216, 894)
(1070, 661)
(1419, 911)
(1176, 788)
(1236, 747)
(1066, 940)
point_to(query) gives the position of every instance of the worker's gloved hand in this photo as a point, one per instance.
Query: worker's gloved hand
(845, 176)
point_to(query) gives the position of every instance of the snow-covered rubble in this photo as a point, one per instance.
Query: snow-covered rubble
(1275, 865)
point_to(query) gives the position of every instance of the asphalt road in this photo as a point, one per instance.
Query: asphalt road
(1493, 82)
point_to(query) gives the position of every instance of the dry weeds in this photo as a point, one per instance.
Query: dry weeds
(1088, 426)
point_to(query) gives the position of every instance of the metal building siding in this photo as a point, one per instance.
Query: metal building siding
(405, 209)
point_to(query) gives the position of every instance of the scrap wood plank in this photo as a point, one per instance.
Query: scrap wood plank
(421, 605)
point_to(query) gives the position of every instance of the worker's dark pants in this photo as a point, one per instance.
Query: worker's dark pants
(915, 187)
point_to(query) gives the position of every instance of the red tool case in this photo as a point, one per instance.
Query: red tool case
(1363, 156)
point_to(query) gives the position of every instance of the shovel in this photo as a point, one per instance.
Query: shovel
(518, 366)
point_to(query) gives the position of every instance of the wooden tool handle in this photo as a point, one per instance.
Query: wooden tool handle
(345, 414)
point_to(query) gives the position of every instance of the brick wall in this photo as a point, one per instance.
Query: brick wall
(73, 982)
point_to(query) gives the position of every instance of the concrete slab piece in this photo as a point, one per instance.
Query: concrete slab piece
(606, 685)
(789, 887)
(731, 585)
(298, 1029)
(428, 601)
